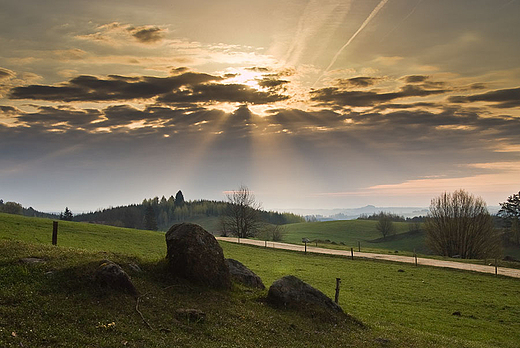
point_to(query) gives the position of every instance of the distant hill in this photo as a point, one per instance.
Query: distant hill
(354, 213)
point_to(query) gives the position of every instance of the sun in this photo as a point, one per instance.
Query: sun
(245, 77)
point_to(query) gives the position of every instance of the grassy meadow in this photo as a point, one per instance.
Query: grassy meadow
(347, 233)
(55, 303)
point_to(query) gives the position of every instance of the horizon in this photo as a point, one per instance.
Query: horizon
(312, 105)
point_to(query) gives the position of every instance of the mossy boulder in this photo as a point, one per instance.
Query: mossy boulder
(294, 293)
(194, 254)
(243, 275)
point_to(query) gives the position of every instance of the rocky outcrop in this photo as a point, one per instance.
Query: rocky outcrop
(194, 254)
(243, 275)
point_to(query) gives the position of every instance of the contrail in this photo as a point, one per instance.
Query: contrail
(372, 15)
(402, 20)
(507, 4)
(318, 17)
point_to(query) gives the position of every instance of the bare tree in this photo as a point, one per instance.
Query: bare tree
(242, 218)
(460, 224)
(385, 224)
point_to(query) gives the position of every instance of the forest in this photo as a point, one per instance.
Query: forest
(160, 213)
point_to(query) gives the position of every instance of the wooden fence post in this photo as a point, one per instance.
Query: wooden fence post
(352, 253)
(338, 282)
(359, 246)
(55, 233)
(496, 267)
(415, 257)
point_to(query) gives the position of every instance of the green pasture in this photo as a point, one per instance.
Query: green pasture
(55, 304)
(346, 234)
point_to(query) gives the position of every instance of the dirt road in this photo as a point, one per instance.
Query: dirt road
(509, 272)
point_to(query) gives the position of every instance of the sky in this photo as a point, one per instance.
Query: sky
(310, 104)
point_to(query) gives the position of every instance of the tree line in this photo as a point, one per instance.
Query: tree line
(160, 213)
(16, 208)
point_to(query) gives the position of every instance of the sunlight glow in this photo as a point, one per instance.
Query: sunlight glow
(245, 77)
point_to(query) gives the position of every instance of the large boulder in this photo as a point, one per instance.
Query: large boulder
(194, 254)
(111, 275)
(292, 292)
(242, 274)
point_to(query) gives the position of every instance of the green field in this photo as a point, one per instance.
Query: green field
(413, 308)
(350, 232)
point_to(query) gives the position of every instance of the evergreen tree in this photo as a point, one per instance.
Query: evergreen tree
(66, 215)
(150, 221)
(179, 199)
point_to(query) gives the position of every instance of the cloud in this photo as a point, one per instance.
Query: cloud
(360, 81)
(6, 74)
(61, 117)
(116, 33)
(113, 88)
(184, 88)
(147, 35)
(340, 97)
(503, 98)
(231, 93)
(272, 83)
(68, 55)
(415, 78)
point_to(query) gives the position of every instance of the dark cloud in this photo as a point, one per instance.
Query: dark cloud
(8, 109)
(340, 97)
(231, 93)
(114, 87)
(407, 106)
(186, 88)
(178, 71)
(360, 81)
(62, 117)
(272, 83)
(415, 78)
(147, 34)
(478, 86)
(503, 98)
(258, 69)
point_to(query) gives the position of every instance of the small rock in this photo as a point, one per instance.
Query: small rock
(457, 313)
(31, 260)
(244, 275)
(290, 291)
(400, 270)
(112, 275)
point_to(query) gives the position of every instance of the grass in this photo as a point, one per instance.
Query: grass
(346, 231)
(350, 232)
(56, 304)
(145, 244)
(419, 301)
